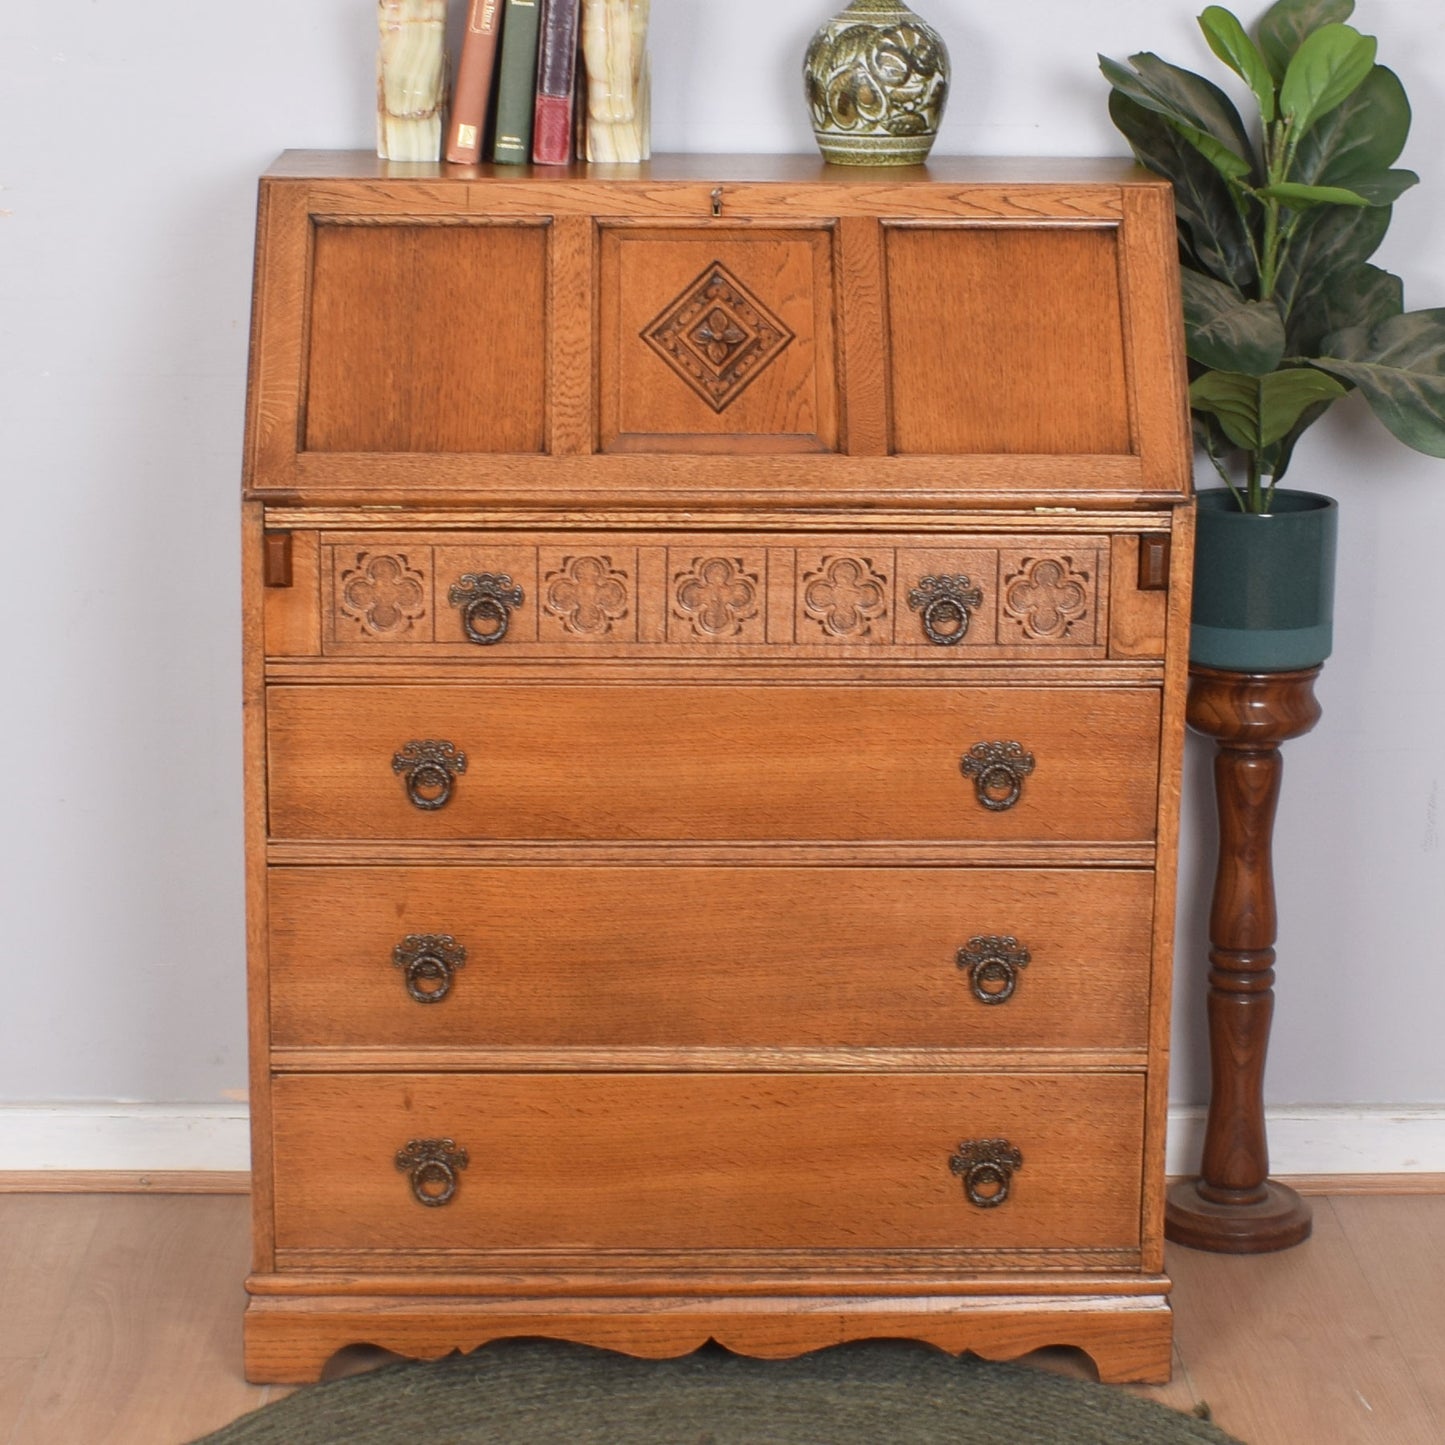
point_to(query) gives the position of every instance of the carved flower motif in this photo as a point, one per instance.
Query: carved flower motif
(717, 596)
(845, 596)
(382, 592)
(1047, 597)
(587, 594)
(718, 335)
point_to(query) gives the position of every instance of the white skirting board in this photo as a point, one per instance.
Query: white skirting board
(1378, 1139)
(127, 1138)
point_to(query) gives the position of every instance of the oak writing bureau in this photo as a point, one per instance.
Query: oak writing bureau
(714, 646)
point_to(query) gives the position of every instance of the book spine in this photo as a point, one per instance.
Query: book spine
(517, 82)
(474, 82)
(556, 84)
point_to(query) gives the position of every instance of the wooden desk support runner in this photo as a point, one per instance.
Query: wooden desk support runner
(1233, 1207)
(714, 703)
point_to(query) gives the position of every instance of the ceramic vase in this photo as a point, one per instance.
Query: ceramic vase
(877, 80)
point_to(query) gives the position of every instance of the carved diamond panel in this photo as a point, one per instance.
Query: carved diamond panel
(384, 595)
(717, 336)
(846, 597)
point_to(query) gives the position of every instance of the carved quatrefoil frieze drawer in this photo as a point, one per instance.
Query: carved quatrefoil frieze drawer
(632, 594)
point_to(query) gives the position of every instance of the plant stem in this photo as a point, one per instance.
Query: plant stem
(1256, 490)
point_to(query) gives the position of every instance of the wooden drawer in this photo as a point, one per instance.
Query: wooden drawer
(639, 594)
(707, 1161)
(726, 761)
(697, 957)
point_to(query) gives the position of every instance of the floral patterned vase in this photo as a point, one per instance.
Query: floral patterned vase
(877, 78)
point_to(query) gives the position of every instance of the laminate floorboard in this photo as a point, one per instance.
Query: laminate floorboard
(120, 1317)
(147, 1350)
(1403, 1256)
(1296, 1348)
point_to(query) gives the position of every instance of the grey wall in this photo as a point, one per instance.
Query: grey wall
(130, 136)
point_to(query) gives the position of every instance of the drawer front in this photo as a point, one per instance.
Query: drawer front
(490, 597)
(745, 762)
(707, 1161)
(696, 957)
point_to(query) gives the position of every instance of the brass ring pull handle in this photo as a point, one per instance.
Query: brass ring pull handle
(486, 600)
(429, 768)
(993, 964)
(433, 1165)
(946, 605)
(998, 771)
(986, 1167)
(430, 962)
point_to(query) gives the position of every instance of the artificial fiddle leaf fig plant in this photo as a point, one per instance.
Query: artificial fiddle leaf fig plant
(1278, 220)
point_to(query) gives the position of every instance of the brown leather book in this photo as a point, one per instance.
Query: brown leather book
(474, 82)
(556, 76)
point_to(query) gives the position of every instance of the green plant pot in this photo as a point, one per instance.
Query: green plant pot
(1264, 586)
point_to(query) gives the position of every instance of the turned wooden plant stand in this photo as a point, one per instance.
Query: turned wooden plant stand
(1233, 1207)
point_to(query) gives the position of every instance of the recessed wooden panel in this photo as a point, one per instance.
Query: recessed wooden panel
(787, 957)
(1006, 340)
(427, 338)
(708, 1161)
(717, 340)
(743, 761)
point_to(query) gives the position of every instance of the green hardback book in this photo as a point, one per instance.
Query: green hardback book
(517, 82)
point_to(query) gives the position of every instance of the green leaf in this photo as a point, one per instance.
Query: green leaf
(1197, 109)
(1329, 66)
(1285, 24)
(1328, 241)
(1227, 39)
(1362, 296)
(1386, 188)
(1286, 395)
(1255, 411)
(1200, 102)
(1233, 401)
(1274, 460)
(1297, 197)
(1399, 367)
(1362, 136)
(1226, 333)
(1211, 224)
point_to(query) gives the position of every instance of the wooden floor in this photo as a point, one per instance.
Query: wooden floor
(120, 1324)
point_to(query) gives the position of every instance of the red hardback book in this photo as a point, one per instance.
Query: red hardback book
(474, 82)
(556, 75)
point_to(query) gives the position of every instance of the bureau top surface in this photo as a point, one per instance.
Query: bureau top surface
(773, 169)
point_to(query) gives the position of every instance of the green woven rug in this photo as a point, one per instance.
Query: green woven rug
(534, 1392)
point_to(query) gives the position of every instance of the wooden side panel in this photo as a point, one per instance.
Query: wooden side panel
(1006, 340)
(292, 614)
(713, 762)
(715, 339)
(788, 957)
(1154, 327)
(708, 1161)
(427, 338)
(1137, 616)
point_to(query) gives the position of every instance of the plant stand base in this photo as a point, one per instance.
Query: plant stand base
(1234, 1207)
(1278, 1221)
